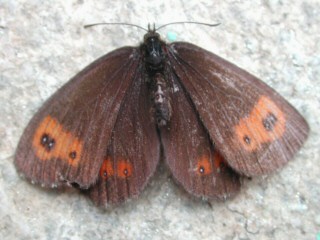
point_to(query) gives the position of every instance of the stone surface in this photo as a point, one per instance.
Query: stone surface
(43, 44)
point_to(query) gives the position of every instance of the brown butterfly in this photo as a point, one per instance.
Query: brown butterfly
(105, 130)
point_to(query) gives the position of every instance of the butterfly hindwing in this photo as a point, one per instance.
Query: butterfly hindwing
(104, 131)
(67, 139)
(133, 152)
(191, 156)
(252, 126)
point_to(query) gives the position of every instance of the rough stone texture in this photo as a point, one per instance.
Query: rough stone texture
(43, 44)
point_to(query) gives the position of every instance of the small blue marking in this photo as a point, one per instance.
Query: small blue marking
(171, 36)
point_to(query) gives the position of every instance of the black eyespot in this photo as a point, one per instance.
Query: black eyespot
(44, 139)
(201, 170)
(73, 154)
(247, 139)
(125, 172)
(269, 122)
(47, 142)
(50, 144)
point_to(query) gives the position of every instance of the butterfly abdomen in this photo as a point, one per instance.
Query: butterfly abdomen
(161, 100)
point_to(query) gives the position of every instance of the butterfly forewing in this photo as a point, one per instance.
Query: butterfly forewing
(253, 127)
(102, 132)
(67, 139)
(190, 155)
(133, 152)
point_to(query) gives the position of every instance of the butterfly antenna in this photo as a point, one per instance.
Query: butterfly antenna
(188, 22)
(120, 23)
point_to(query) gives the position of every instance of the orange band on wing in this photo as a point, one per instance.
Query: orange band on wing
(204, 166)
(51, 140)
(217, 160)
(124, 168)
(265, 123)
(106, 169)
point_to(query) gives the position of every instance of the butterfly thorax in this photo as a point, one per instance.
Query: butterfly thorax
(155, 64)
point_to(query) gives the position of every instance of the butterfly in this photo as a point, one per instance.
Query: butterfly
(105, 131)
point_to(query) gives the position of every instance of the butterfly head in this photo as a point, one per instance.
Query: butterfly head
(153, 49)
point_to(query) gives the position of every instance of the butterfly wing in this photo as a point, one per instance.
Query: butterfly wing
(66, 141)
(133, 152)
(190, 154)
(253, 127)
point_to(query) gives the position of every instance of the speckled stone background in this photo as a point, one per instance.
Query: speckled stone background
(43, 44)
